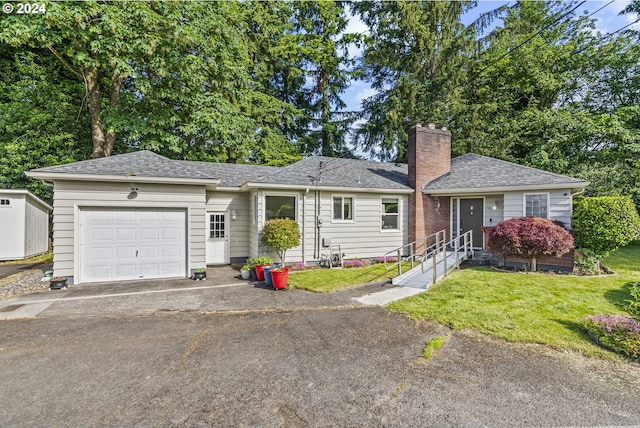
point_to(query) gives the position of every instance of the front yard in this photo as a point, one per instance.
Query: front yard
(531, 308)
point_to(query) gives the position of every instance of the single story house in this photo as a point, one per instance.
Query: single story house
(24, 225)
(141, 215)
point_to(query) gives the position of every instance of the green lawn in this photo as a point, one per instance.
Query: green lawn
(325, 280)
(533, 307)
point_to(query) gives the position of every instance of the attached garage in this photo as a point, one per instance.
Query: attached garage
(132, 243)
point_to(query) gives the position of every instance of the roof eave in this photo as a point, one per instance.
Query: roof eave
(575, 186)
(27, 194)
(271, 186)
(53, 176)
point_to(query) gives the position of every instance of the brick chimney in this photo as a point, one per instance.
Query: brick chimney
(429, 157)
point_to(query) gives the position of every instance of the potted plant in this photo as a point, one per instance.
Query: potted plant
(245, 272)
(57, 282)
(199, 274)
(257, 263)
(281, 234)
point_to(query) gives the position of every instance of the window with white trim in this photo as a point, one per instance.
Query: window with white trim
(536, 205)
(390, 214)
(280, 206)
(5, 202)
(342, 208)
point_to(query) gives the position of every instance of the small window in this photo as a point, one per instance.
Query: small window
(342, 208)
(390, 214)
(5, 202)
(280, 207)
(535, 205)
(216, 226)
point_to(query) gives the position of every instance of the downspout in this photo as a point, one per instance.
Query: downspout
(304, 217)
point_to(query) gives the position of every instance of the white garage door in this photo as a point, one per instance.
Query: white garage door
(120, 244)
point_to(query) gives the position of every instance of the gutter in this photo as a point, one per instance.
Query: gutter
(325, 188)
(502, 189)
(44, 176)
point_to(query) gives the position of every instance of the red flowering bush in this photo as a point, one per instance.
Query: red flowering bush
(530, 237)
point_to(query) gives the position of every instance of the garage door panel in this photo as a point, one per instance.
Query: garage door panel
(131, 244)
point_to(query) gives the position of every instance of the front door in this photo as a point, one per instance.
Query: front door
(472, 218)
(217, 238)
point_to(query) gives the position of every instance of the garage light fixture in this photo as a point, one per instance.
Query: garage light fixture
(133, 193)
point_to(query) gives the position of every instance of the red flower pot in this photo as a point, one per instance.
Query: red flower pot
(260, 272)
(280, 277)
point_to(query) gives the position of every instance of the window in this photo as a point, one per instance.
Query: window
(5, 202)
(342, 208)
(216, 226)
(536, 205)
(280, 207)
(390, 216)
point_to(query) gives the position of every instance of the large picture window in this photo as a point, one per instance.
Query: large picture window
(390, 214)
(536, 205)
(280, 207)
(342, 208)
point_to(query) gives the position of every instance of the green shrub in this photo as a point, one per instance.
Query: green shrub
(281, 234)
(587, 262)
(618, 333)
(634, 304)
(605, 223)
(256, 261)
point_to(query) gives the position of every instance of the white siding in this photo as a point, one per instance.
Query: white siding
(560, 205)
(12, 225)
(239, 229)
(71, 196)
(36, 229)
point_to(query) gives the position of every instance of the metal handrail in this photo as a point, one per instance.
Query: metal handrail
(467, 247)
(439, 236)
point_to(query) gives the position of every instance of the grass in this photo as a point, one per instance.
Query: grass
(42, 258)
(326, 280)
(433, 345)
(532, 308)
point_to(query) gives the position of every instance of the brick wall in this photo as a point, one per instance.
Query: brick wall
(429, 157)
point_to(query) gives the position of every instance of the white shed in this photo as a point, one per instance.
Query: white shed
(24, 225)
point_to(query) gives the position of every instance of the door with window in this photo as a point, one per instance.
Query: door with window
(472, 218)
(217, 238)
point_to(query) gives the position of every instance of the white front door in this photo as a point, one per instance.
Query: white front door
(121, 244)
(217, 238)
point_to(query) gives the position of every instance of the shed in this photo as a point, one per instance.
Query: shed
(24, 225)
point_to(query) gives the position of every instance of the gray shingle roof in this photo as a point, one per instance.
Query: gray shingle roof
(232, 175)
(336, 172)
(141, 164)
(472, 171)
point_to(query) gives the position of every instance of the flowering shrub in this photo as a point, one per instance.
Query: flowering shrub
(380, 259)
(354, 263)
(530, 237)
(616, 332)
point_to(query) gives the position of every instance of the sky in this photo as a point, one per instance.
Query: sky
(607, 20)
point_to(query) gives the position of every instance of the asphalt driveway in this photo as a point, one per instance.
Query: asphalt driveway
(196, 358)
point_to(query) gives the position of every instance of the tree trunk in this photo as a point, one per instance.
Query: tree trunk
(534, 265)
(92, 76)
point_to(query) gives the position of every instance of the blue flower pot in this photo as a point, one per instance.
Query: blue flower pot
(267, 275)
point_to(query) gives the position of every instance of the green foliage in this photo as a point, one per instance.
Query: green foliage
(282, 234)
(605, 223)
(633, 305)
(587, 262)
(262, 260)
(433, 345)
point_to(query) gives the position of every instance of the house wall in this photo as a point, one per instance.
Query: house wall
(71, 196)
(36, 239)
(239, 229)
(12, 216)
(560, 206)
(361, 238)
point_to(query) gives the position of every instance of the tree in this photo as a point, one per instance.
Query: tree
(413, 57)
(605, 223)
(167, 76)
(530, 237)
(282, 234)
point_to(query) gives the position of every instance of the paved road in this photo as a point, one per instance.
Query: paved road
(292, 360)
(10, 269)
